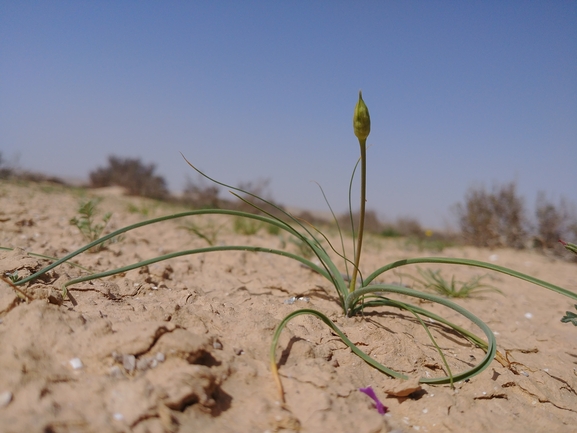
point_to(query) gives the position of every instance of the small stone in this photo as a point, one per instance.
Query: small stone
(76, 363)
(402, 388)
(115, 371)
(160, 357)
(129, 362)
(217, 345)
(5, 398)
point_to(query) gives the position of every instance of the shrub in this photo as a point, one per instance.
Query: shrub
(553, 223)
(200, 195)
(372, 222)
(5, 169)
(132, 174)
(495, 219)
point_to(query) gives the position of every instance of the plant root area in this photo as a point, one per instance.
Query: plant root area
(183, 345)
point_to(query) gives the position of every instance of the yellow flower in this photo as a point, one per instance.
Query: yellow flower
(361, 119)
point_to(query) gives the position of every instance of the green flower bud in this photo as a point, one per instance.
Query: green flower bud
(361, 119)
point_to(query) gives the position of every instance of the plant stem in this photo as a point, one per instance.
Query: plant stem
(363, 143)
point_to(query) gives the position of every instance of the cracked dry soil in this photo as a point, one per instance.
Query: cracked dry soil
(182, 346)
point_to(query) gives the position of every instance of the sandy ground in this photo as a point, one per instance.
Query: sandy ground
(183, 345)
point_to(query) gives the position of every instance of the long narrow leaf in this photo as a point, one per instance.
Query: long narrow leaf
(127, 268)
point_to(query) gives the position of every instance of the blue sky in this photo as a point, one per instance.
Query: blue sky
(461, 94)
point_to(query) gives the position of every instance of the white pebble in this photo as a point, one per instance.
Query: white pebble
(76, 363)
(129, 362)
(5, 398)
(118, 416)
(115, 371)
(528, 316)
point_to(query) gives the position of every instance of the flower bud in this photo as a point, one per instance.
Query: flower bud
(361, 119)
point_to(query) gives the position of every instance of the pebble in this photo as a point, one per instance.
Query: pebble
(76, 363)
(115, 371)
(129, 362)
(5, 398)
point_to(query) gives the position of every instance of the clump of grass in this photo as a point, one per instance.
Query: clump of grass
(352, 297)
(144, 209)
(247, 227)
(208, 232)
(434, 281)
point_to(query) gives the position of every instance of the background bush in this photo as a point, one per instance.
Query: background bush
(554, 222)
(139, 179)
(199, 195)
(493, 219)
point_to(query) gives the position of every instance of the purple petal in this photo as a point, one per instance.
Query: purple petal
(381, 408)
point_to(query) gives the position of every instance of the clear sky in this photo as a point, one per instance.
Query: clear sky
(460, 93)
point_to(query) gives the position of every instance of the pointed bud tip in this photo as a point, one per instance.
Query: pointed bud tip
(361, 119)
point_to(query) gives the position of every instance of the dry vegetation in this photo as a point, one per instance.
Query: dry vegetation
(493, 218)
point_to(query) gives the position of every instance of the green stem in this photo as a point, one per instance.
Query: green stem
(363, 144)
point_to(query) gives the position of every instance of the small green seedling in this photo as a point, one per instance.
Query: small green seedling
(433, 280)
(13, 276)
(570, 317)
(86, 224)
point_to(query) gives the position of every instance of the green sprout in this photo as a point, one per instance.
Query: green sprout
(570, 317)
(13, 276)
(86, 224)
(355, 294)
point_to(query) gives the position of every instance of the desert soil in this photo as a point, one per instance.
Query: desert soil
(183, 345)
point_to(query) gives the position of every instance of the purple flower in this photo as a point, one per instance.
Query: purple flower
(381, 408)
